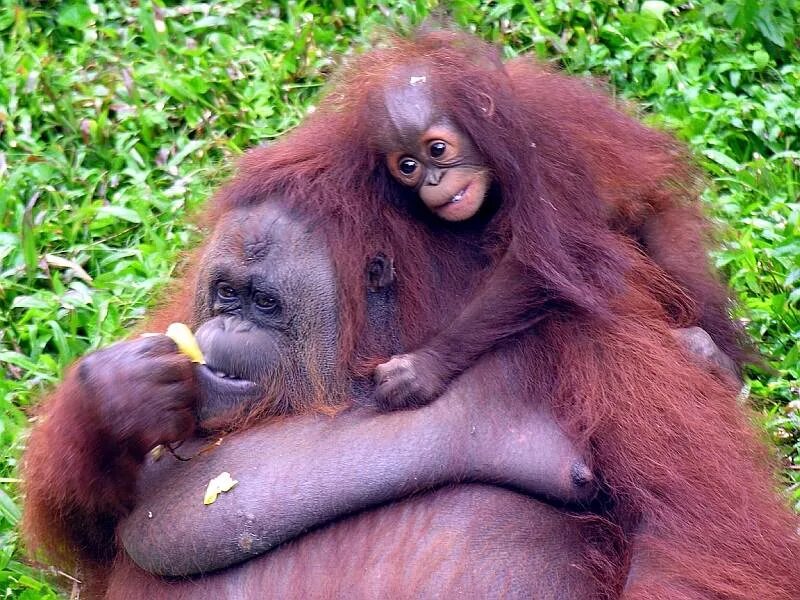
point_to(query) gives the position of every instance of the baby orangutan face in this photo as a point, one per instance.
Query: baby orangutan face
(425, 151)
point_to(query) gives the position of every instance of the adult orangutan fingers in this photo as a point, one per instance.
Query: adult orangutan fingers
(171, 426)
(182, 425)
(173, 369)
(178, 394)
(155, 345)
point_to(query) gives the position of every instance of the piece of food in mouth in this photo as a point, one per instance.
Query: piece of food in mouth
(186, 342)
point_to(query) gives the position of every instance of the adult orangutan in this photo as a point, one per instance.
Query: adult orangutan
(584, 313)
(265, 311)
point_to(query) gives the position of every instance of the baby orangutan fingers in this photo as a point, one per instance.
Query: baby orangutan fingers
(408, 380)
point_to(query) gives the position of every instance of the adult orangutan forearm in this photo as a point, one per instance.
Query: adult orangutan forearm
(294, 475)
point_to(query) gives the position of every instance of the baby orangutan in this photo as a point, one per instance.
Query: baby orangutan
(494, 176)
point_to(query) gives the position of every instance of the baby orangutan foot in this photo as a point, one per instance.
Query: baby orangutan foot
(409, 381)
(701, 345)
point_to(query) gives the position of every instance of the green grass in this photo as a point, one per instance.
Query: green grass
(116, 121)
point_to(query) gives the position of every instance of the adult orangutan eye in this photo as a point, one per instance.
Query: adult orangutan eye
(225, 292)
(265, 302)
(407, 166)
(437, 148)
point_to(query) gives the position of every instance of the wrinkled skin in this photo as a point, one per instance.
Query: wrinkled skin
(251, 324)
(155, 372)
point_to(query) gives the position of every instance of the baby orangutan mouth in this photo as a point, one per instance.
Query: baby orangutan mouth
(459, 195)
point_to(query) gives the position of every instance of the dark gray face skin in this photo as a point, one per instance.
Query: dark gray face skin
(262, 299)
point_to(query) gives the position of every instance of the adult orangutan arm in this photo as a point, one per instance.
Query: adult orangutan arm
(94, 432)
(305, 471)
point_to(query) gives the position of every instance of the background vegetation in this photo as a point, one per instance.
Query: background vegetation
(116, 118)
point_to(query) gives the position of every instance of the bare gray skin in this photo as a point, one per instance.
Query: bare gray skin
(304, 472)
(464, 541)
(260, 324)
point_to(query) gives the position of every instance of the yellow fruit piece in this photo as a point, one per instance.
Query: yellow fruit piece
(221, 483)
(184, 338)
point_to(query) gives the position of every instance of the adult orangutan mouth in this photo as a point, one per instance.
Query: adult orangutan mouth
(220, 392)
(219, 379)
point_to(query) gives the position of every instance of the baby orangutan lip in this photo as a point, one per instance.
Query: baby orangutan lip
(455, 198)
(459, 195)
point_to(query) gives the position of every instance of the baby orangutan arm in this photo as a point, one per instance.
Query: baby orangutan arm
(510, 302)
(303, 472)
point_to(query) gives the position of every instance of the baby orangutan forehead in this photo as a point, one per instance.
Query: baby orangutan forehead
(408, 99)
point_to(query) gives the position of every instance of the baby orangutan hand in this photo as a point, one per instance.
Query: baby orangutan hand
(410, 380)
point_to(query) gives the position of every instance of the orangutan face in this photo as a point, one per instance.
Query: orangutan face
(425, 151)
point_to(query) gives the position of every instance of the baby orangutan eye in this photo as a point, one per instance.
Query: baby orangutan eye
(407, 166)
(437, 148)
